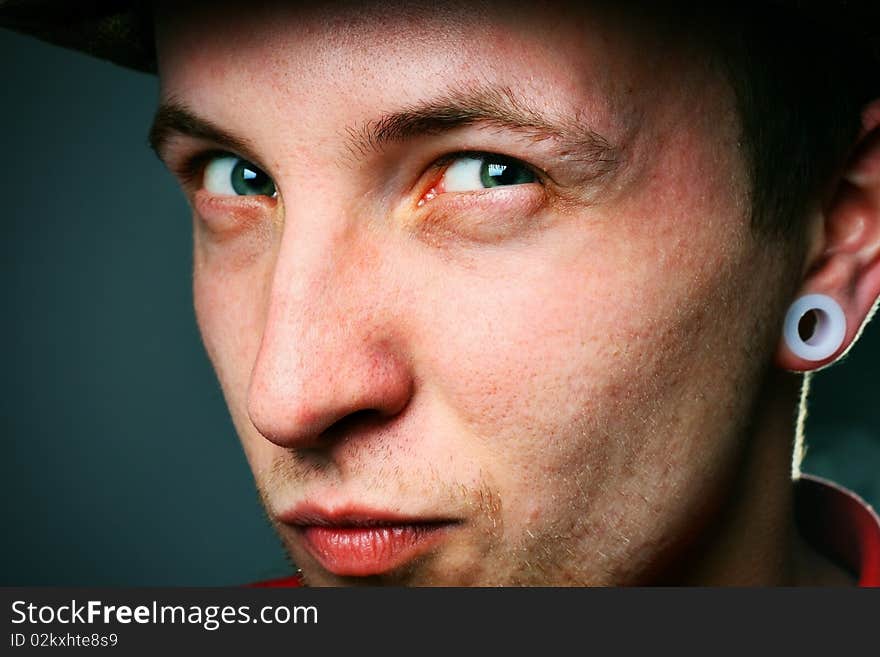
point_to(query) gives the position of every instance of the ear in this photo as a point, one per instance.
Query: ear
(845, 264)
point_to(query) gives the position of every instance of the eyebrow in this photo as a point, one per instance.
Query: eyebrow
(174, 118)
(493, 106)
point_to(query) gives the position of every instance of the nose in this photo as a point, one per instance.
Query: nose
(330, 351)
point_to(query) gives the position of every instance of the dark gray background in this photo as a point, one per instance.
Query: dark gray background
(120, 465)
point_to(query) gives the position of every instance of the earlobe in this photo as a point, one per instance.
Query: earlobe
(841, 288)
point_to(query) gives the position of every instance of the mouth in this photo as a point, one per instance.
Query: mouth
(364, 543)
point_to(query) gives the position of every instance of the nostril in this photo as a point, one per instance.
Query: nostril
(363, 419)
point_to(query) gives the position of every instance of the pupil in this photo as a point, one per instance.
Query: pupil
(493, 174)
(248, 180)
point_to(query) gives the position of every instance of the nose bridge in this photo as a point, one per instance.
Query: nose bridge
(328, 347)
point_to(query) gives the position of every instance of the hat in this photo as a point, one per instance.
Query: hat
(121, 31)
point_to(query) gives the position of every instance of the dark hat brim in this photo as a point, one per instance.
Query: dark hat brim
(120, 31)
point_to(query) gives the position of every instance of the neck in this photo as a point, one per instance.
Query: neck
(755, 541)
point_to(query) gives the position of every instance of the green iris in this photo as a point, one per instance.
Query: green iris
(248, 180)
(496, 172)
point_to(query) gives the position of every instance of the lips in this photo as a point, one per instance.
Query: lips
(365, 543)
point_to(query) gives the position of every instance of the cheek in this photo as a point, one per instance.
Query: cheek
(596, 365)
(554, 336)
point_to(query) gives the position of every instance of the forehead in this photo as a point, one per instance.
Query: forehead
(576, 60)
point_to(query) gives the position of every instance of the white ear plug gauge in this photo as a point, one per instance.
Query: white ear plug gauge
(828, 332)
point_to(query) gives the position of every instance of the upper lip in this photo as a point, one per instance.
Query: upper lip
(308, 515)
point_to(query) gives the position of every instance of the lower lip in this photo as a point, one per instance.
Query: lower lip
(363, 551)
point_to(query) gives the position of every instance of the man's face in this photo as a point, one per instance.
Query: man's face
(497, 323)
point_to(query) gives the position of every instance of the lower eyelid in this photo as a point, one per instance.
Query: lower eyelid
(465, 221)
(515, 202)
(232, 214)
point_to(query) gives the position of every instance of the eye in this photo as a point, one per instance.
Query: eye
(232, 176)
(475, 172)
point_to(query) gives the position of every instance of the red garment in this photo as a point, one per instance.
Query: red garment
(841, 525)
(283, 582)
(834, 520)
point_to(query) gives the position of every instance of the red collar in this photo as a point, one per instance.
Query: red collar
(841, 525)
(836, 521)
(283, 582)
